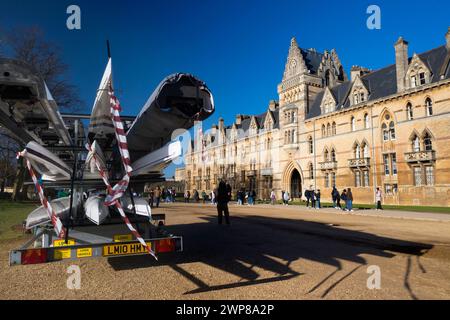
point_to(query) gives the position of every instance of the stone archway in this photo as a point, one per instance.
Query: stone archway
(295, 184)
(292, 180)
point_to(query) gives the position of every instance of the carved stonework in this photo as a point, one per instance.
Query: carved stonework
(421, 156)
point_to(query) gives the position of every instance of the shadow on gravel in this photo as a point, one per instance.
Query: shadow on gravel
(271, 244)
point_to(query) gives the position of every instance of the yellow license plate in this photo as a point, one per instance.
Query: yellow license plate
(124, 249)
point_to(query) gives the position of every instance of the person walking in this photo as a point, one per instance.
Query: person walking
(308, 197)
(378, 197)
(186, 196)
(222, 203)
(344, 198)
(317, 195)
(349, 200)
(196, 196)
(313, 198)
(213, 197)
(240, 197)
(334, 194)
(272, 197)
(157, 196)
(151, 197)
(338, 200)
(286, 198)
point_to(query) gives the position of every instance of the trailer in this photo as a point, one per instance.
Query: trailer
(86, 240)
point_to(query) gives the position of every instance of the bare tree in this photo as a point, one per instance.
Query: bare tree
(44, 57)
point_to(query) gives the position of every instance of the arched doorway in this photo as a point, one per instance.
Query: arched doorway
(296, 184)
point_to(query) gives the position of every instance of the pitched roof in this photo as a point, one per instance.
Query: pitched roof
(312, 59)
(381, 83)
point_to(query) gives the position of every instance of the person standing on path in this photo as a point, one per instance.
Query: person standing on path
(308, 197)
(286, 198)
(222, 203)
(157, 196)
(272, 197)
(378, 197)
(344, 198)
(349, 200)
(334, 194)
(317, 195)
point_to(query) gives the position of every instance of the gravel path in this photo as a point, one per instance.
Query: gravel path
(268, 253)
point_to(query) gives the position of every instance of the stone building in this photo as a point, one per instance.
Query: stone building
(387, 128)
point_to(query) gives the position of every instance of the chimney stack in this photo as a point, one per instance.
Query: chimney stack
(358, 71)
(238, 119)
(401, 62)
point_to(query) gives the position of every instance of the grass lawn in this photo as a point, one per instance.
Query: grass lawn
(13, 214)
(369, 206)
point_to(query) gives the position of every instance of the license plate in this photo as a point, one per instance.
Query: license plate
(124, 249)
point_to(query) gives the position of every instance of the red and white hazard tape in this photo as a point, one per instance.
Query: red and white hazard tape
(116, 192)
(56, 222)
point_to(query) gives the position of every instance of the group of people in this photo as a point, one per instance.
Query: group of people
(212, 197)
(313, 198)
(158, 194)
(346, 196)
(243, 196)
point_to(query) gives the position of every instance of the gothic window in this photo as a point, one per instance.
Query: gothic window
(429, 107)
(311, 171)
(427, 144)
(357, 151)
(365, 149)
(333, 155)
(415, 143)
(333, 179)
(356, 98)
(326, 155)
(328, 129)
(385, 132)
(413, 81)
(409, 111)
(386, 164)
(353, 123)
(366, 121)
(392, 130)
(323, 131)
(310, 145)
(394, 163)
(333, 128)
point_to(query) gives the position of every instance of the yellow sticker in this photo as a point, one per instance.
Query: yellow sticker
(123, 237)
(62, 254)
(84, 252)
(62, 243)
(124, 249)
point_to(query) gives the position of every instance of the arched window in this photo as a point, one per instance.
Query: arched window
(366, 121)
(415, 143)
(333, 155)
(333, 128)
(311, 171)
(310, 145)
(323, 131)
(409, 111)
(385, 132)
(353, 123)
(392, 130)
(427, 144)
(328, 129)
(357, 151)
(366, 152)
(429, 107)
(326, 155)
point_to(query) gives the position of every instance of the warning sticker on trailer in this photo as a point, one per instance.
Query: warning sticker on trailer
(62, 243)
(123, 237)
(124, 249)
(62, 254)
(84, 252)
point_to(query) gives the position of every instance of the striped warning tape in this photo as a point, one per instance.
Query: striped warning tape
(56, 222)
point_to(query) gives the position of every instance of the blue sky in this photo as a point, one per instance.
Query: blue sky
(237, 47)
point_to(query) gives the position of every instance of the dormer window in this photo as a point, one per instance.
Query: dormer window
(355, 98)
(413, 82)
(422, 78)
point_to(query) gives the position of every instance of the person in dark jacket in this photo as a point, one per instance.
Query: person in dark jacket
(317, 196)
(308, 197)
(334, 194)
(222, 203)
(344, 197)
(338, 200)
(349, 200)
